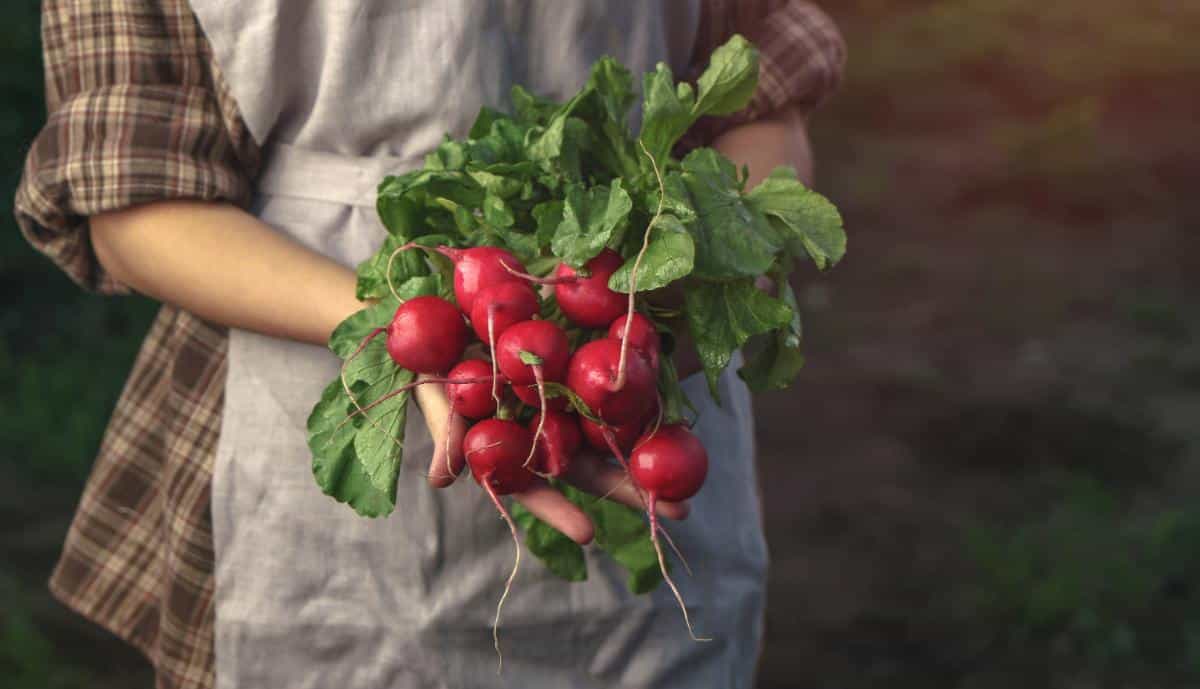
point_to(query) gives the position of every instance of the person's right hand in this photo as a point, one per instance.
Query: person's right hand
(589, 471)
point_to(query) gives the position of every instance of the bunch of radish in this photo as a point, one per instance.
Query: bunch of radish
(610, 400)
(517, 273)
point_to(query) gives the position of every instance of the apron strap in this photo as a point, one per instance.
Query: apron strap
(302, 173)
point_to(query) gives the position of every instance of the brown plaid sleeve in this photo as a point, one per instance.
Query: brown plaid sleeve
(136, 113)
(801, 56)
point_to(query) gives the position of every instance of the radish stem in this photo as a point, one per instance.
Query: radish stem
(535, 279)
(633, 273)
(541, 386)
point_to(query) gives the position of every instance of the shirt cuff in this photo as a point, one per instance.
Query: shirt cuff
(116, 147)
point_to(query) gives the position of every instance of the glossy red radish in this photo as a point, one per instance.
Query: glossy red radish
(587, 300)
(478, 268)
(529, 395)
(642, 335)
(427, 335)
(495, 450)
(558, 442)
(501, 305)
(533, 352)
(668, 464)
(542, 339)
(469, 387)
(592, 374)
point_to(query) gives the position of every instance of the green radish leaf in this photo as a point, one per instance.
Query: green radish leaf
(590, 217)
(669, 256)
(613, 85)
(350, 333)
(529, 358)
(532, 109)
(379, 441)
(722, 316)
(496, 211)
(804, 217)
(774, 364)
(730, 79)
(335, 466)
(733, 239)
(624, 534)
(667, 112)
(777, 358)
(561, 555)
(549, 216)
(675, 400)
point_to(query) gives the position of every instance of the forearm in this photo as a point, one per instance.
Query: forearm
(766, 144)
(226, 266)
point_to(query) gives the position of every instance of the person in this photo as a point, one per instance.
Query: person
(221, 158)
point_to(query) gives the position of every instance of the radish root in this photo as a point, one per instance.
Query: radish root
(611, 440)
(512, 527)
(662, 565)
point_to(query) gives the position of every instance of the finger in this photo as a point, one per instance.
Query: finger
(447, 434)
(550, 506)
(598, 476)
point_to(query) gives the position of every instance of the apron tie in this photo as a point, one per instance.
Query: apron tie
(303, 173)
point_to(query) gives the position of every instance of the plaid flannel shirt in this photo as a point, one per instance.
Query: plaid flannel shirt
(139, 112)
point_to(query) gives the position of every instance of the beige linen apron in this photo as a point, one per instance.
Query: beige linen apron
(340, 93)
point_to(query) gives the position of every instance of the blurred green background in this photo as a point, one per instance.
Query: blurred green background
(987, 476)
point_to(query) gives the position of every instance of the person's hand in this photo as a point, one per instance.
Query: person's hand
(589, 471)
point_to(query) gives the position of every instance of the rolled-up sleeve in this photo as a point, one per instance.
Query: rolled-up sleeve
(134, 116)
(802, 56)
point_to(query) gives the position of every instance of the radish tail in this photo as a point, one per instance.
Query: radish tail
(662, 565)
(541, 386)
(512, 527)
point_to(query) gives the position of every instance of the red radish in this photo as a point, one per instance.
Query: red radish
(669, 464)
(474, 269)
(623, 436)
(498, 306)
(427, 335)
(529, 395)
(592, 374)
(544, 340)
(495, 450)
(587, 301)
(642, 335)
(471, 399)
(478, 268)
(558, 442)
